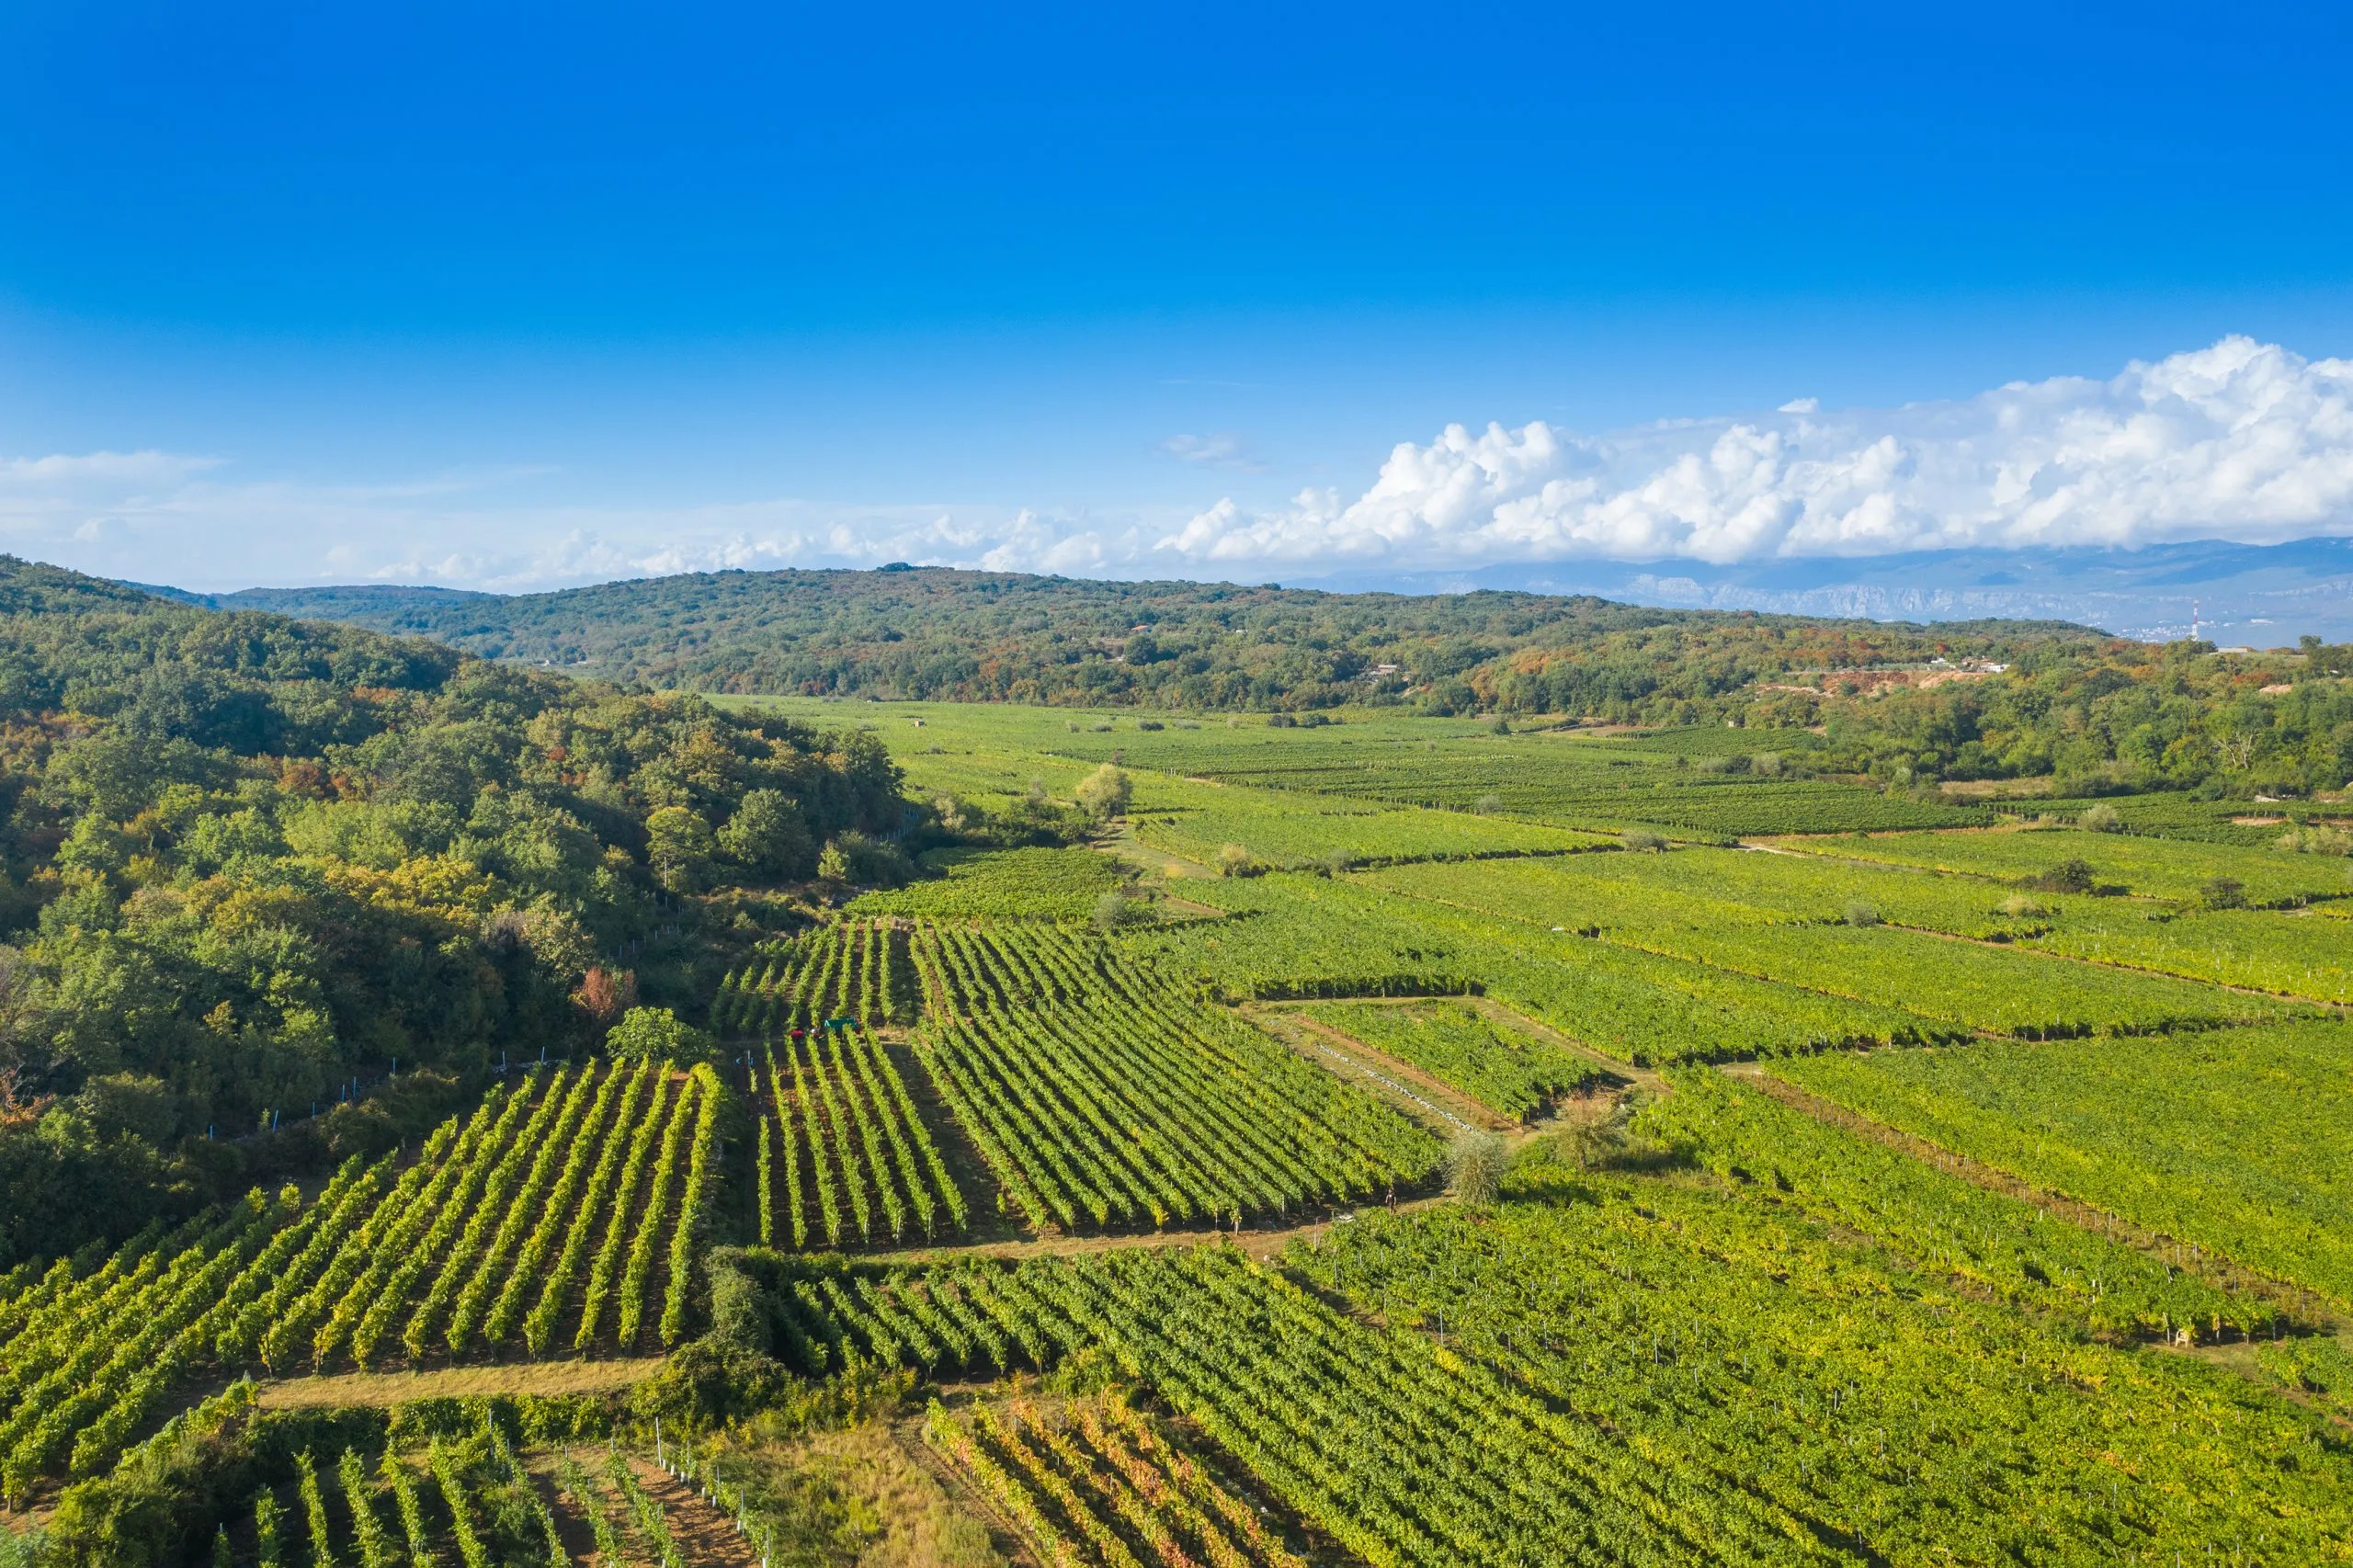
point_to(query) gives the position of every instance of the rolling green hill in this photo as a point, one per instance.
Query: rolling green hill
(989, 636)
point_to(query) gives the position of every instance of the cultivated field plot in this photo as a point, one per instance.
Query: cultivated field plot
(2231, 1140)
(1975, 986)
(1098, 1095)
(1809, 1400)
(563, 1216)
(851, 969)
(1784, 1390)
(1306, 936)
(2177, 817)
(2290, 953)
(1937, 1221)
(1045, 884)
(1095, 1481)
(1506, 1070)
(1632, 893)
(1274, 827)
(1541, 780)
(843, 1156)
(2148, 868)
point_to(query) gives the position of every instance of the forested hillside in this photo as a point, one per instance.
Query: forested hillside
(250, 862)
(992, 636)
(1905, 705)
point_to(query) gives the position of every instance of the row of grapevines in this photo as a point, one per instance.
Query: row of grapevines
(498, 1212)
(1097, 1101)
(1399, 1451)
(1096, 1481)
(852, 969)
(1939, 1220)
(1756, 1359)
(839, 1102)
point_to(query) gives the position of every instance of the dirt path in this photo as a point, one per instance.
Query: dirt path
(706, 1537)
(1124, 844)
(456, 1382)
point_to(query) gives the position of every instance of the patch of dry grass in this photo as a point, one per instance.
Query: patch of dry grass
(458, 1382)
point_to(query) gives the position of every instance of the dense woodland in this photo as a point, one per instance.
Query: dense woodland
(2101, 712)
(250, 861)
(1000, 636)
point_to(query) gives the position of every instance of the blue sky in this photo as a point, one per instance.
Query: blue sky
(514, 297)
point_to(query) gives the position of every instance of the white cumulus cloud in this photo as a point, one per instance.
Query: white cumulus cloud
(2242, 441)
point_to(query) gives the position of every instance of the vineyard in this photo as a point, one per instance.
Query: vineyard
(1664, 1315)
(1948, 1202)
(563, 1216)
(469, 1502)
(1503, 1069)
(843, 1157)
(1939, 1223)
(2231, 1141)
(1543, 782)
(1312, 937)
(1279, 828)
(1771, 1378)
(1047, 884)
(1974, 986)
(856, 970)
(1098, 1099)
(1097, 1484)
(2175, 817)
(2166, 869)
(2298, 955)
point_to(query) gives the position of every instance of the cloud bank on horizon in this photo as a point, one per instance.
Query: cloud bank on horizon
(2242, 441)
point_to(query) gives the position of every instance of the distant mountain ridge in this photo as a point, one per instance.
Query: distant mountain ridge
(2259, 596)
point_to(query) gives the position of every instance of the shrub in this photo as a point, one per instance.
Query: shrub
(2223, 892)
(853, 856)
(1861, 913)
(2101, 818)
(1642, 839)
(1233, 860)
(1488, 805)
(654, 1034)
(2069, 876)
(1106, 792)
(1474, 1166)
